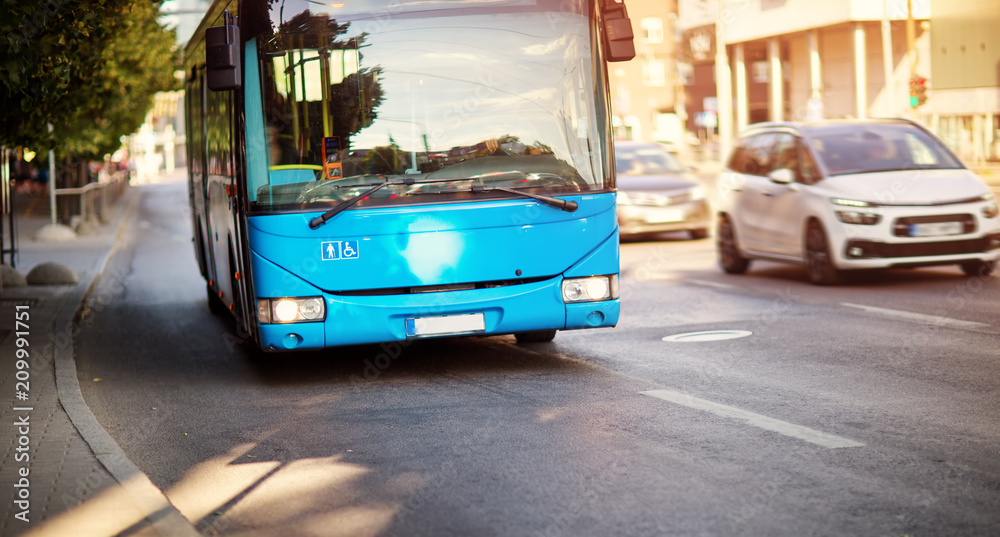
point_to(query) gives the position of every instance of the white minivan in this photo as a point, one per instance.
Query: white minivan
(853, 194)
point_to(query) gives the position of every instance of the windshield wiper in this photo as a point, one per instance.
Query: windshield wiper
(340, 207)
(566, 205)
(344, 205)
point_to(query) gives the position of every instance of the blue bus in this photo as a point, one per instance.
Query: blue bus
(384, 170)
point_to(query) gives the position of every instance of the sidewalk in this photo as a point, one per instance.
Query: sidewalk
(60, 472)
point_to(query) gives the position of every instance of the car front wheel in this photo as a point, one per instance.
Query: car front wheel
(978, 268)
(819, 262)
(730, 258)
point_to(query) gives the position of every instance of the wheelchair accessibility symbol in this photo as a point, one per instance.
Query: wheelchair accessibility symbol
(334, 250)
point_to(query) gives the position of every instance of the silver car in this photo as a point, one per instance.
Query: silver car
(656, 194)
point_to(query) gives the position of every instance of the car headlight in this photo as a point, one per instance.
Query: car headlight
(990, 210)
(590, 289)
(849, 203)
(291, 310)
(857, 214)
(697, 193)
(865, 218)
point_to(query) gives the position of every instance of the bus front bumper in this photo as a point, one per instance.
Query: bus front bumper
(355, 320)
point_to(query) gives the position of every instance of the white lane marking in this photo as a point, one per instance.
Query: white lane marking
(935, 320)
(707, 283)
(757, 420)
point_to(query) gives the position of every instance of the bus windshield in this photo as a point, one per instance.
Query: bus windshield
(500, 93)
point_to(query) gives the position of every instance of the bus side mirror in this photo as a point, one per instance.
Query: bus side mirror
(222, 57)
(618, 45)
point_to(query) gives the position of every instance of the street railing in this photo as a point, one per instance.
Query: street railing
(95, 199)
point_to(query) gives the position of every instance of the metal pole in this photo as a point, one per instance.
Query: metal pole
(52, 181)
(887, 60)
(7, 209)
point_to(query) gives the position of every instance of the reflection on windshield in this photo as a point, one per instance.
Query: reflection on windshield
(848, 149)
(497, 91)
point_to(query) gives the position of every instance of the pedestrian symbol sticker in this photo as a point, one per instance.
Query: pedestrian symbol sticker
(334, 250)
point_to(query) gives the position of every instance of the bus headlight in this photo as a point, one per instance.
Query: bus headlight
(291, 310)
(590, 289)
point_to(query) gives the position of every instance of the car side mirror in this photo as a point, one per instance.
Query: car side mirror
(782, 176)
(222, 56)
(618, 37)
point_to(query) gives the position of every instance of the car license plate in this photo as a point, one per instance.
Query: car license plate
(936, 229)
(445, 325)
(664, 216)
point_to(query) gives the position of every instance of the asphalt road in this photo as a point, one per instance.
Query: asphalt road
(871, 408)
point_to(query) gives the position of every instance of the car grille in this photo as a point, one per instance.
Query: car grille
(860, 249)
(658, 200)
(438, 288)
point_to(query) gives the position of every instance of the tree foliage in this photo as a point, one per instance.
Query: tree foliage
(88, 67)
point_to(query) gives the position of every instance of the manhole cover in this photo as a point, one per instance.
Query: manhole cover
(710, 335)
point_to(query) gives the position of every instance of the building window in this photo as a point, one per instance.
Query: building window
(654, 73)
(653, 28)
(685, 71)
(760, 71)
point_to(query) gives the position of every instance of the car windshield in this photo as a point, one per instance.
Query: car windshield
(495, 91)
(866, 148)
(644, 160)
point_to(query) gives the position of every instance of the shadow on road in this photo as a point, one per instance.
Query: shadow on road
(902, 277)
(404, 361)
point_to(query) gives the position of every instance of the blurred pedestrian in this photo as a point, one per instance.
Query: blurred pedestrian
(40, 181)
(22, 174)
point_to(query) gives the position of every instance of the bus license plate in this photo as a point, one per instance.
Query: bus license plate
(936, 229)
(445, 325)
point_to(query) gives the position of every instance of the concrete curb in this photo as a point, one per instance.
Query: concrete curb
(148, 499)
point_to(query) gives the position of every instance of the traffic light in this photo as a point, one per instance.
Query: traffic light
(918, 90)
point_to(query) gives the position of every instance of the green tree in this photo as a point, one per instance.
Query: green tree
(88, 67)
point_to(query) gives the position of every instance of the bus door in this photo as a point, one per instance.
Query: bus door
(244, 305)
(197, 175)
(225, 173)
(220, 191)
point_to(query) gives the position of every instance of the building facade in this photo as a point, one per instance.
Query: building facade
(849, 58)
(159, 145)
(964, 102)
(644, 90)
